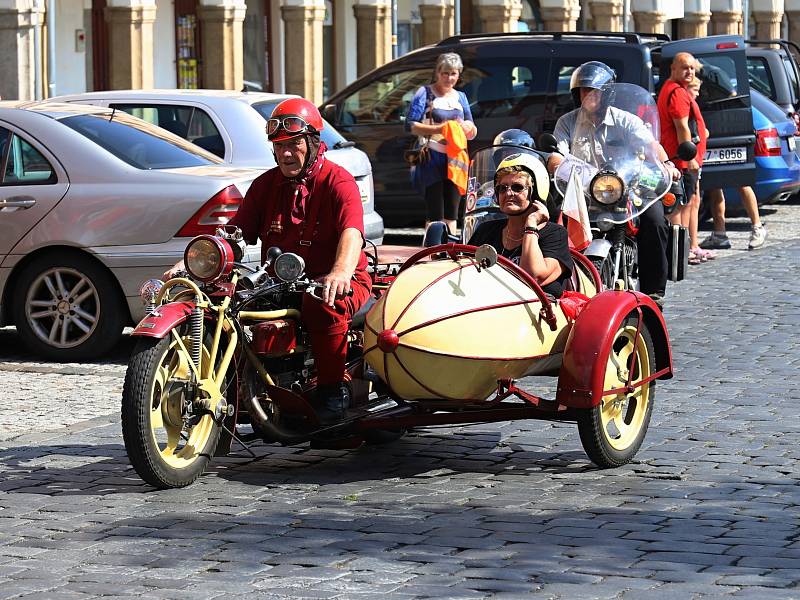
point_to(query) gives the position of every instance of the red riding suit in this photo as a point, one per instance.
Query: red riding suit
(278, 211)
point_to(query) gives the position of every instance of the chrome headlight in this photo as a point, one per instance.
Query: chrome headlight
(148, 292)
(208, 258)
(288, 266)
(606, 187)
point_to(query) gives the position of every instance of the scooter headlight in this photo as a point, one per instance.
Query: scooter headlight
(606, 188)
(288, 266)
(207, 258)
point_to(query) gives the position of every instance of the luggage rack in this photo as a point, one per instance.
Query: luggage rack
(627, 38)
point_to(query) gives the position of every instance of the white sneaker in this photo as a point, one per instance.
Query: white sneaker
(757, 237)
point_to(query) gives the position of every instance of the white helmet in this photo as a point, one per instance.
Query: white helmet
(538, 172)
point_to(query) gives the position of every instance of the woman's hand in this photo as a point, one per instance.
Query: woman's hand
(470, 130)
(538, 214)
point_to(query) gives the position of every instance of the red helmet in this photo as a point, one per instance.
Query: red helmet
(293, 117)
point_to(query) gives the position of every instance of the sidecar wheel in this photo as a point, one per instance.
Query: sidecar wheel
(613, 431)
(166, 449)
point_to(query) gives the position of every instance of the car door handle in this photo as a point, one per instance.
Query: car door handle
(18, 202)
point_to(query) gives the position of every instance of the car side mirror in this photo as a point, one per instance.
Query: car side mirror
(548, 143)
(687, 151)
(329, 113)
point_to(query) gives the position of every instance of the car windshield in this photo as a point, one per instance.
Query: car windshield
(138, 143)
(329, 135)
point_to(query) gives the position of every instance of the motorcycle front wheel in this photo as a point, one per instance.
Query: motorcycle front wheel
(613, 431)
(168, 446)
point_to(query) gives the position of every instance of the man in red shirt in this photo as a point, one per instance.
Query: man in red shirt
(311, 206)
(682, 121)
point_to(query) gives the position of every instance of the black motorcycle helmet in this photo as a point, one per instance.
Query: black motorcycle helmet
(511, 137)
(592, 74)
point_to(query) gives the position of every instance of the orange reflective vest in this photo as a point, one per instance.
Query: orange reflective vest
(457, 157)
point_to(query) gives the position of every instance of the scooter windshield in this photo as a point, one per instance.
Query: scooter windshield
(611, 151)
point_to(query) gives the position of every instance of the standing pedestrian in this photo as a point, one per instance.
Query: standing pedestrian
(431, 113)
(719, 238)
(681, 121)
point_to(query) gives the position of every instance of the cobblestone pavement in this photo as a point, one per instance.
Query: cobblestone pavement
(709, 509)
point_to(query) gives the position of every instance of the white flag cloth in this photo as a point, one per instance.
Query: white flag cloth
(576, 215)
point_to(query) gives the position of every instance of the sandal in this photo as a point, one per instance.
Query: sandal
(703, 255)
(694, 259)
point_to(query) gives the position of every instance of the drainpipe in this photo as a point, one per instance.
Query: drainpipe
(37, 55)
(51, 48)
(745, 19)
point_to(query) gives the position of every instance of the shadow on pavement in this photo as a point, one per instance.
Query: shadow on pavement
(13, 350)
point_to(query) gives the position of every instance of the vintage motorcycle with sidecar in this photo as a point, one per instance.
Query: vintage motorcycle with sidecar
(222, 356)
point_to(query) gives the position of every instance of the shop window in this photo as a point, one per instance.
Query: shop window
(187, 42)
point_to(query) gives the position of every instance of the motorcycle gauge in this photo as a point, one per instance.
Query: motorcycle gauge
(288, 266)
(606, 187)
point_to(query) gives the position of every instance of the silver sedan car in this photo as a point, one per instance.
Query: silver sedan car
(93, 202)
(232, 126)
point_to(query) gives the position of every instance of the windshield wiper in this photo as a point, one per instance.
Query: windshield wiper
(344, 144)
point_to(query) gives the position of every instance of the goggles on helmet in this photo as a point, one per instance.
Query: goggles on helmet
(291, 124)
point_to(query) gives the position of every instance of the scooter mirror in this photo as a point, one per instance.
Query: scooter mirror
(548, 143)
(687, 150)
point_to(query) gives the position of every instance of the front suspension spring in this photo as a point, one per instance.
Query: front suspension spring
(196, 333)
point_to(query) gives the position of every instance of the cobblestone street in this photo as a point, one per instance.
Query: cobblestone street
(710, 508)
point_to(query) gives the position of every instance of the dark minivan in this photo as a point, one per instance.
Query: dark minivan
(521, 80)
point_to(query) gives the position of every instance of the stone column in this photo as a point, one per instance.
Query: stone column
(607, 15)
(130, 49)
(767, 15)
(499, 15)
(18, 21)
(726, 17)
(697, 14)
(792, 8)
(560, 15)
(437, 21)
(373, 34)
(221, 43)
(303, 47)
(649, 16)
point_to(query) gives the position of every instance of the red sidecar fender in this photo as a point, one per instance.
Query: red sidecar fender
(583, 369)
(164, 319)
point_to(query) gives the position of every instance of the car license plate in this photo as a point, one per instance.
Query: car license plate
(792, 143)
(716, 156)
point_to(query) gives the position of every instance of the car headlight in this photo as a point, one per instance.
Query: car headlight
(288, 266)
(606, 188)
(207, 258)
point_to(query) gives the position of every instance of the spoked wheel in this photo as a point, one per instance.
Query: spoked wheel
(613, 431)
(168, 444)
(605, 266)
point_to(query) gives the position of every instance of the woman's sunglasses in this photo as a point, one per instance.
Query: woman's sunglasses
(517, 188)
(290, 124)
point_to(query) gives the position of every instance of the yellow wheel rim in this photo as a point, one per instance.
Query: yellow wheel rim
(622, 415)
(178, 445)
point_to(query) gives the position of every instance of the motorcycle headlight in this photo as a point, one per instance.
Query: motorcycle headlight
(288, 266)
(207, 258)
(606, 188)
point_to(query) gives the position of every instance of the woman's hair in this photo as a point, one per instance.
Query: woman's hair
(695, 83)
(514, 170)
(449, 61)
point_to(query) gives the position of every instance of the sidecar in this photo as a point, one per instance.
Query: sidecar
(457, 327)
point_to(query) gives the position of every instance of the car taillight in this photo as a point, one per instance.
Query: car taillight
(217, 211)
(768, 143)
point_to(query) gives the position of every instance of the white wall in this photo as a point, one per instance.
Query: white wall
(70, 66)
(164, 71)
(346, 33)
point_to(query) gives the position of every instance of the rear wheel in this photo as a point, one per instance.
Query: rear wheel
(168, 444)
(613, 431)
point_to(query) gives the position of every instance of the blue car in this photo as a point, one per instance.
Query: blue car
(777, 164)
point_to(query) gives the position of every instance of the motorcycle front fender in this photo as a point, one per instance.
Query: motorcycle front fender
(598, 248)
(164, 319)
(583, 368)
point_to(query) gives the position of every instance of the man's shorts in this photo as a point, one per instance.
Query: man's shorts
(690, 180)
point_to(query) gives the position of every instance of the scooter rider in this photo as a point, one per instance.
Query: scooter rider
(588, 134)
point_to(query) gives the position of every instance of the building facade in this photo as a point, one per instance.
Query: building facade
(308, 47)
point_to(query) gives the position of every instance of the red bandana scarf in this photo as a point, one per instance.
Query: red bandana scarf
(301, 187)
